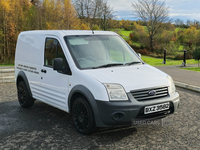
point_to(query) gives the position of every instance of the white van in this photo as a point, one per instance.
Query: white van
(93, 75)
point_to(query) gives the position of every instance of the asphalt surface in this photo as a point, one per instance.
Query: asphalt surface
(183, 76)
(45, 127)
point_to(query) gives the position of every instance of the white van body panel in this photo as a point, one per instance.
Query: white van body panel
(29, 58)
(147, 76)
(31, 48)
(54, 92)
(81, 77)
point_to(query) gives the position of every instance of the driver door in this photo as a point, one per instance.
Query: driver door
(55, 85)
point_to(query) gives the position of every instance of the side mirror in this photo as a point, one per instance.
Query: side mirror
(139, 55)
(58, 64)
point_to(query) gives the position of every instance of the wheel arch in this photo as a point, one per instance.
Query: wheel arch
(83, 91)
(22, 77)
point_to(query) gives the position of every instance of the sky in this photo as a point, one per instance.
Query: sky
(181, 9)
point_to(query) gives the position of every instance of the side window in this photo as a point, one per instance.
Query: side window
(53, 50)
(50, 51)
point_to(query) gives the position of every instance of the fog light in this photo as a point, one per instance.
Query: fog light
(118, 116)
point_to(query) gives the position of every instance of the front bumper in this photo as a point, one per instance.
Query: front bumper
(124, 113)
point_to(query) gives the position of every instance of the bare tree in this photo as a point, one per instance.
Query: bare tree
(84, 9)
(179, 22)
(94, 12)
(188, 23)
(154, 12)
(106, 14)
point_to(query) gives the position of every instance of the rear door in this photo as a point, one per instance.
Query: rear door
(54, 85)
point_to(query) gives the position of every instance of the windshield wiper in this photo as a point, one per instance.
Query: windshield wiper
(108, 65)
(133, 62)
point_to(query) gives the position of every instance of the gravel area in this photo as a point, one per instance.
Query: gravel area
(45, 127)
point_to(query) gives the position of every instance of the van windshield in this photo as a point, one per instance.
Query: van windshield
(99, 51)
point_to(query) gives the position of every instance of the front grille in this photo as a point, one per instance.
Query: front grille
(142, 95)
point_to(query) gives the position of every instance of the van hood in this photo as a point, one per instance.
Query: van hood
(131, 77)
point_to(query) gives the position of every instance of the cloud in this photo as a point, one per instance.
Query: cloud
(117, 17)
(184, 17)
(173, 15)
(185, 9)
(121, 5)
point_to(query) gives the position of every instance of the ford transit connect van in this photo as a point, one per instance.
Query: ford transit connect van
(93, 75)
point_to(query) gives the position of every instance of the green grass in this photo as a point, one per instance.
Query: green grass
(5, 65)
(125, 35)
(192, 69)
(124, 32)
(158, 61)
(177, 29)
(145, 28)
(118, 56)
(115, 29)
(181, 47)
(9, 64)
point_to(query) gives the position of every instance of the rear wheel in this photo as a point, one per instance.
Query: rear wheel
(83, 117)
(24, 98)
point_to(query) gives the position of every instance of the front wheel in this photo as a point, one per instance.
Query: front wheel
(25, 100)
(82, 116)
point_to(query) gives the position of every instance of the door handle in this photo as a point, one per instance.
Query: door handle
(44, 71)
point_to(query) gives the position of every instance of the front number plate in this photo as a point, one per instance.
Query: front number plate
(156, 108)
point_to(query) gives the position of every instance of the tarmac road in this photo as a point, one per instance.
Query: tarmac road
(45, 127)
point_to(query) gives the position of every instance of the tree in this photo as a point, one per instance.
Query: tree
(86, 9)
(188, 22)
(179, 22)
(22, 15)
(154, 12)
(94, 12)
(106, 15)
(70, 18)
(196, 54)
(34, 2)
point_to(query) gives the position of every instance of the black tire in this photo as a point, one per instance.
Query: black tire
(83, 117)
(24, 98)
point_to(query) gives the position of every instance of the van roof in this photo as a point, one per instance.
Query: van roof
(68, 32)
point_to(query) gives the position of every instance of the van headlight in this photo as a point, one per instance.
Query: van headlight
(116, 92)
(172, 87)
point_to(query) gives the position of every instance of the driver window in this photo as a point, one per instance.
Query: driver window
(53, 50)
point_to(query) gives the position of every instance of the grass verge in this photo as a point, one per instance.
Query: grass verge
(4, 65)
(158, 61)
(124, 32)
(197, 69)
